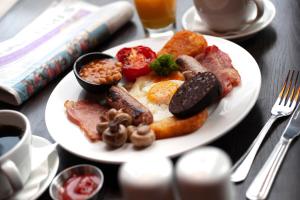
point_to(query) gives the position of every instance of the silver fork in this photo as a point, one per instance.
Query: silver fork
(262, 183)
(284, 106)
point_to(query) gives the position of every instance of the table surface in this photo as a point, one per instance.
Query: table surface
(275, 50)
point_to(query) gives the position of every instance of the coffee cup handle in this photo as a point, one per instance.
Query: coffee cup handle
(260, 11)
(13, 174)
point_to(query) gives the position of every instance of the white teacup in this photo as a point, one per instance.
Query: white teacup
(227, 15)
(15, 163)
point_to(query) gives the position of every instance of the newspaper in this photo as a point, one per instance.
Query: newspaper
(52, 42)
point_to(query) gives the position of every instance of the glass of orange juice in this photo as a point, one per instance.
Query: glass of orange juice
(157, 16)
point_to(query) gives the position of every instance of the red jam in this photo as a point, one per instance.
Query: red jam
(79, 187)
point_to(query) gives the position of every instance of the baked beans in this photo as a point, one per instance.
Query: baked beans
(102, 71)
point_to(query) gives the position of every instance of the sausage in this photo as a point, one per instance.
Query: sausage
(188, 74)
(190, 65)
(119, 98)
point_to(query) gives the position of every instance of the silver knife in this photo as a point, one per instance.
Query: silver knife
(261, 185)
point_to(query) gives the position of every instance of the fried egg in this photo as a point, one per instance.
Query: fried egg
(155, 93)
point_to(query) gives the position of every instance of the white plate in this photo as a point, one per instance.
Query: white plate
(41, 177)
(192, 21)
(228, 113)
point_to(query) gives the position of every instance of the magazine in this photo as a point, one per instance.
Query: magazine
(52, 42)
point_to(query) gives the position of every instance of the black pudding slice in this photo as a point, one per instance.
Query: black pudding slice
(195, 94)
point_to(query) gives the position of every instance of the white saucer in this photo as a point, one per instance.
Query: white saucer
(192, 21)
(41, 177)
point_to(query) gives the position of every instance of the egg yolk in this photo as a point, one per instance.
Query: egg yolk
(162, 92)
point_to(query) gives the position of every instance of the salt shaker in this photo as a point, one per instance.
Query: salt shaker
(204, 174)
(147, 178)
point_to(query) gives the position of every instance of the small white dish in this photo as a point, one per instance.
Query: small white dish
(57, 185)
(192, 21)
(41, 177)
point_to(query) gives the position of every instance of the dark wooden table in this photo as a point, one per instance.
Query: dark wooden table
(276, 49)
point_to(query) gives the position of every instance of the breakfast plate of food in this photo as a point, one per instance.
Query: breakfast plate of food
(155, 96)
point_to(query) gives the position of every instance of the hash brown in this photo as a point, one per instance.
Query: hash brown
(184, 43)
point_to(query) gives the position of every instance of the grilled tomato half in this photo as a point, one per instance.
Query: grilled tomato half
(135, 61)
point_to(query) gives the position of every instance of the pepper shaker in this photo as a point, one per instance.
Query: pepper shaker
(204, 174)
(147, 178)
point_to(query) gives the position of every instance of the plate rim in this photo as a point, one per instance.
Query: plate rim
(237, 120)
(267, 4)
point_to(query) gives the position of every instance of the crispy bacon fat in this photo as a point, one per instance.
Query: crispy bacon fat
(219, 63)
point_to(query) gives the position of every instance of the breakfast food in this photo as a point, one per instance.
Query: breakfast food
(189, 66)
(161, 96)
(101, 71)
(164, 65)
(173, 127)
(202, 90)
(86, 114)
(142, 136)
(184, 43)
(155, 93)
(116, 128)
(219, 63)
(119, 98)
(115, 135)
(135, 61)
(113, 129)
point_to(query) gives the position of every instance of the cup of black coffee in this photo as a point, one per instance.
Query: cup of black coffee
(15, 155)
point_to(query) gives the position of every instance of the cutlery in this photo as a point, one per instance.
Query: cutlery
(283, 106)
(262, 183)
